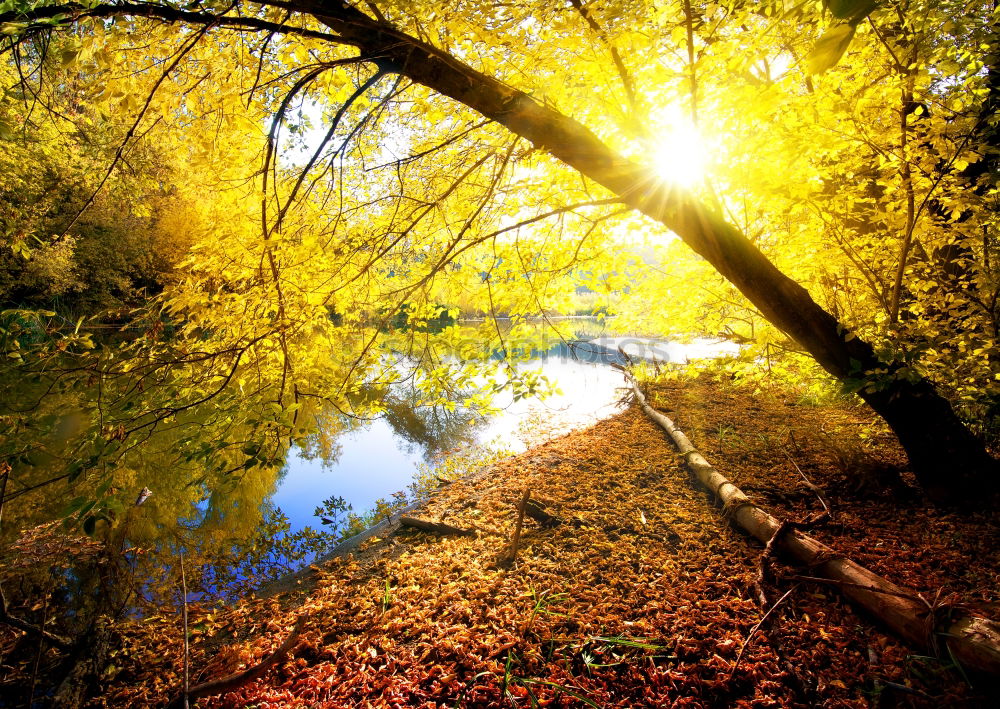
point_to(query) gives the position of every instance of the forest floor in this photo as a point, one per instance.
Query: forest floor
(642, 597)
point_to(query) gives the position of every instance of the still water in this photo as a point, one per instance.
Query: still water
(377, 460)
(216, 486)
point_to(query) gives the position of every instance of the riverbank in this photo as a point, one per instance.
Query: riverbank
(642, 596)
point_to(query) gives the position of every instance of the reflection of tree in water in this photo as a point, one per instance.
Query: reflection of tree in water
(440, 428)
(432, 429)
(435, 429)
(212, 469)
(323, 442)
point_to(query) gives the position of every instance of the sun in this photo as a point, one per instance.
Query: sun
(679, 154)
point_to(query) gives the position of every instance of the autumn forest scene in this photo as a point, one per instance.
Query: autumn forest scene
(576, 353)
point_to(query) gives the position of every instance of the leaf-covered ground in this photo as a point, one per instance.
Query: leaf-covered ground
(642, 597)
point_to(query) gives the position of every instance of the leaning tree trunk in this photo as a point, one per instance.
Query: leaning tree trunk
(948, 460)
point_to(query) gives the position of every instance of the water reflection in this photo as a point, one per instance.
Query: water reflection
(237, 478)
(377, 458)
(382, 456)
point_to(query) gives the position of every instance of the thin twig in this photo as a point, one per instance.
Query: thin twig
(616, 59)
(809, 483)
(692, 71)
(184, 606)
(238, 679)
(38, 653)
(765, 559)
(510, 554)
(755, 628)
(3, 489)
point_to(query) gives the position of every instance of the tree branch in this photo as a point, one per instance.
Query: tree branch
(7, 619)
(41, 18)
(616, 58)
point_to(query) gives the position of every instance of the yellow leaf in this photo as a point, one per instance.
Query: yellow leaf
(830, 48)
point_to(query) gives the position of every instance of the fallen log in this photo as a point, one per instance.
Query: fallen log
(973, 641)
(438, 527)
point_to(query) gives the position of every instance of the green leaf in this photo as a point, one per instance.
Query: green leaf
(855, 10)
(75, 504)
(113, 504)
(86, 508)
(830, 48)
(103, 488)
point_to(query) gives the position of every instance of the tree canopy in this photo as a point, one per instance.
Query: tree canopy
(231, 231)
(295, 173)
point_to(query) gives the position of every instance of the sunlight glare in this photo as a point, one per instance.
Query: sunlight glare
(679, 154)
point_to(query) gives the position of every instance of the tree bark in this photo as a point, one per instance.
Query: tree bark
(949, 461)
(86, 665)
(974, 641)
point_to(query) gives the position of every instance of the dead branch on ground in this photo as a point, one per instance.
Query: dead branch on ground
(973, 641)
(437, 527)
(238, 679)
(509, 554)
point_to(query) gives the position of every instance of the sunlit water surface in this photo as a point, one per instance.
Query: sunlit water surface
(376, 461)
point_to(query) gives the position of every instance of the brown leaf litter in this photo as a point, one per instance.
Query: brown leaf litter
(642, 597)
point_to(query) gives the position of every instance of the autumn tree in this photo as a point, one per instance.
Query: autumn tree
(57, 145)
(446, 124)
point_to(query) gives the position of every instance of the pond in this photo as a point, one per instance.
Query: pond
(382, 456)
(245, 503)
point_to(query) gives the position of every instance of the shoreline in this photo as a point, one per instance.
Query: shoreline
(303, 579)
(638, 571)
